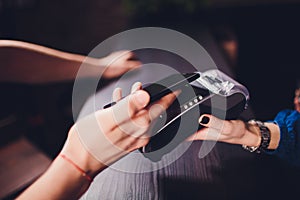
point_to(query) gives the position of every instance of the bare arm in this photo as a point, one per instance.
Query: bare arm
(122, 133)
(31, 63)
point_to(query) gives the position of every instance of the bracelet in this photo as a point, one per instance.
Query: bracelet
(265, 138)
(84, 174)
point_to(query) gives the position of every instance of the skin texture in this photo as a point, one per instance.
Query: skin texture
(63, 181)
(234, 132)
(237, 131)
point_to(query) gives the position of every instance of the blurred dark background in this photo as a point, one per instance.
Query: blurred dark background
(259, 39)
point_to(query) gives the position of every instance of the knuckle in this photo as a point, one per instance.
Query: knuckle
(145, 121)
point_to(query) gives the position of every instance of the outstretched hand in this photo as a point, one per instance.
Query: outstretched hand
(95, 141)
(107, 135)
(233, 131)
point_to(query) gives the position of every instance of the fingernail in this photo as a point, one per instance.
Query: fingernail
(204, 120)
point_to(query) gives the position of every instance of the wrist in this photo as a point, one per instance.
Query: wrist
(75, 151)
(64, 180)
(254, 138)
(274, 135)
(264, 134)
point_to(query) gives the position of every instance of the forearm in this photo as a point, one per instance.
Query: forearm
(69, 175)
(71, 172)
(60, 181)
(30, 63)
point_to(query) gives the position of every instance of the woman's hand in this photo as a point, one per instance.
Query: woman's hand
(234, 131)
(105, 136)
(95, 142)
(119, 62)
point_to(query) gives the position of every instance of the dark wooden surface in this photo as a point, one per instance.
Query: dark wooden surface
(20, 164)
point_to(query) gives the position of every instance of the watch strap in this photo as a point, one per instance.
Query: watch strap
(265, 138)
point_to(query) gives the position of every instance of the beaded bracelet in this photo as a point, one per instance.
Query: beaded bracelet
(84, 174)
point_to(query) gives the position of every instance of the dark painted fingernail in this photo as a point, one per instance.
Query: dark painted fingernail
(204, 120)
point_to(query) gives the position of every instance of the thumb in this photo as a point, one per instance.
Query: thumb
(126, 108)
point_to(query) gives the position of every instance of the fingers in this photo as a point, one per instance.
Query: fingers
(212, 128)
(228, 128)
(231, 131)
(131, 113)
(211, 121)
(205, 134)
(136, 86)
(124, 55)
(128, 141)
(144, 118)
(128, 64)
(119, 62)
(225, 127)
(126, 108)
(128, 55)
(162, 104)
(117, 94)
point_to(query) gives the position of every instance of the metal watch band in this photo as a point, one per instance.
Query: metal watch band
(265, 138)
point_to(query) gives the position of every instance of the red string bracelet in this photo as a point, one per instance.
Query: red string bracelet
(84, 174)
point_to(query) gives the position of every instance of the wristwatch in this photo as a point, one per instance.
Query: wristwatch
(265, 138)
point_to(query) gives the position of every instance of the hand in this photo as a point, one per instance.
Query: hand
(95, 142)
(105, 136)
(119, 62)
(233, 131)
